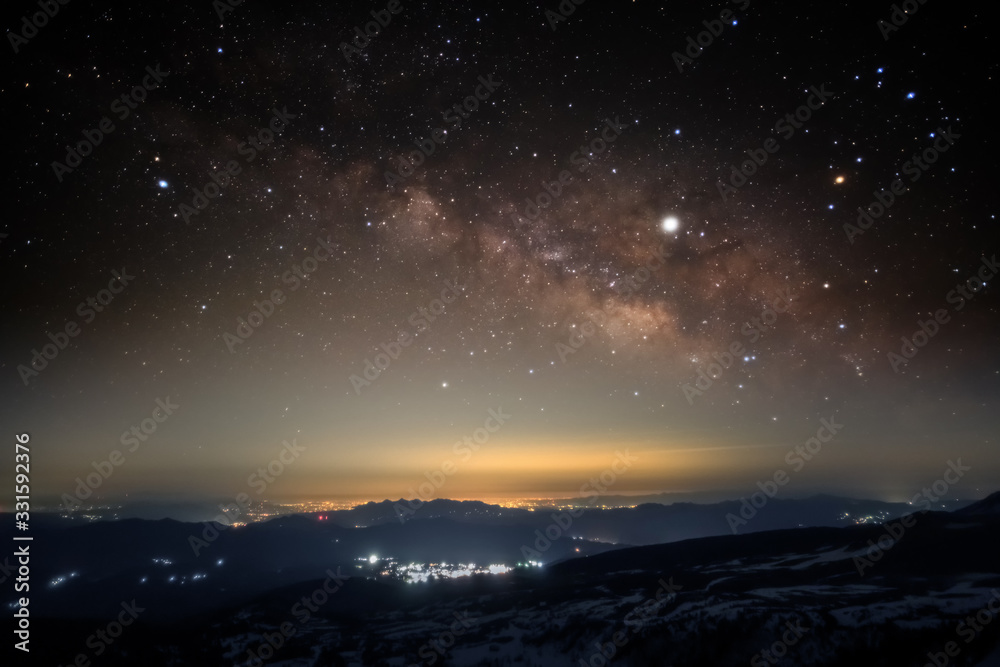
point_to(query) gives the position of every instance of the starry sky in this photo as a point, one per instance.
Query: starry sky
(576, 213)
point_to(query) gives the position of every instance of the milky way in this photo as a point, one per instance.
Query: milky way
(558, 156)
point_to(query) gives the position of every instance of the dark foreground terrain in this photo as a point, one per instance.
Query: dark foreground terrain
(810, 596)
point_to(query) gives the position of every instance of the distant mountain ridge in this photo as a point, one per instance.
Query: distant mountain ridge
(647, 523)
(988, 505)
(860, 597)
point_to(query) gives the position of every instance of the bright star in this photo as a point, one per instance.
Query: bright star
(671, 224)
(163, 184)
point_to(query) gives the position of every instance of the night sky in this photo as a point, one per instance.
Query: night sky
(574, 240)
